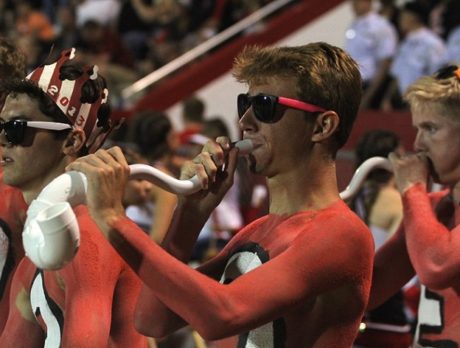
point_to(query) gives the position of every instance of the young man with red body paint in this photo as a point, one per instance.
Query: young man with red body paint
(298, 277)
(90, 301)
(428, 242)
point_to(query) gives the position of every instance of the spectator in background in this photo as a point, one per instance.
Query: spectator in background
(168, 26)
(193, 112)
(104, 12)
(379, 204)
(390, 10)
(136, 191)
(451, 24)
(7, 25)
(421, 52)
(156, 140)
(134, 30)
(32, 50)
(12, 205)
(66, 28)
(103, 46)
(371, 41)
(235, 10)
(31, 21)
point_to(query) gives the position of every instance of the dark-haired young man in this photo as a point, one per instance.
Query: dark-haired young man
(12, 205)
(298, 277)
(58, 113)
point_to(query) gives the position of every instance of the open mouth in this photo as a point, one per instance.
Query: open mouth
(5, 160)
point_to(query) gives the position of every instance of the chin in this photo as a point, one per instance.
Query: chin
(7, 179)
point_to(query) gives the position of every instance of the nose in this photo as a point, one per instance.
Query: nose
(147, 186)
(248, 121)
(3, 140)
(418, 142)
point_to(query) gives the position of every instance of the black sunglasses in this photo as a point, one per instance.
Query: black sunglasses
(15, 129)
(447, 72)
(264, 106)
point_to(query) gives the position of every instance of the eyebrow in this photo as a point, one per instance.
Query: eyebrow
(20, 117)
(425, 124)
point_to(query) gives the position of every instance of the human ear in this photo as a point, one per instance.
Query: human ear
(74, 142)
(325, 125)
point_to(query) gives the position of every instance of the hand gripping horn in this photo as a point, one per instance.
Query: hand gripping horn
(51, 235)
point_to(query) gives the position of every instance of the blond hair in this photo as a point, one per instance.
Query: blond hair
(444, 93)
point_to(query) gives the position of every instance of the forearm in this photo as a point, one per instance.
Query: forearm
(153, 317)
(183, 231)
(392, 269)
(170, 286)
(432, 248)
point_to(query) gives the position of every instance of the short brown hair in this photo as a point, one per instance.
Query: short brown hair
(326, 76)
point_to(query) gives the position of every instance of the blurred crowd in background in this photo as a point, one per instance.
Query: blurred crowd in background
(395, 43)
(127, 39)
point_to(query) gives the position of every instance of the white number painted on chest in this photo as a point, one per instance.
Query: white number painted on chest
(41, 307)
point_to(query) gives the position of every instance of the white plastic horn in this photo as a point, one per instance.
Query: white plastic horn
(361, 174)
(51, 235)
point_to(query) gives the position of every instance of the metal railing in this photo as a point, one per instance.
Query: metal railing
(202, 48)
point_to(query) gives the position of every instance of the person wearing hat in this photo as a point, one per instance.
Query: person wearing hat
(53, 116)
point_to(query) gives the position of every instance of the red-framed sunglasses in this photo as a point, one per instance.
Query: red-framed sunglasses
(264, 106)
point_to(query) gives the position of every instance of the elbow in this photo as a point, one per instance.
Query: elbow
(142, 324)
(438, 273)
(146, 325)
(436, 279)
(220, 327)
(214, 332)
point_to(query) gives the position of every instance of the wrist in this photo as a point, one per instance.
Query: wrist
(411, 185)
(192, 207)
(107, 219)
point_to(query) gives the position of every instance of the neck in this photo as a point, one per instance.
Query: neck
(312, 186)
(364, 14)
(415, 27)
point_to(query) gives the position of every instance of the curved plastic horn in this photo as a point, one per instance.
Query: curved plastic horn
(51, 236)
(361, 174)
